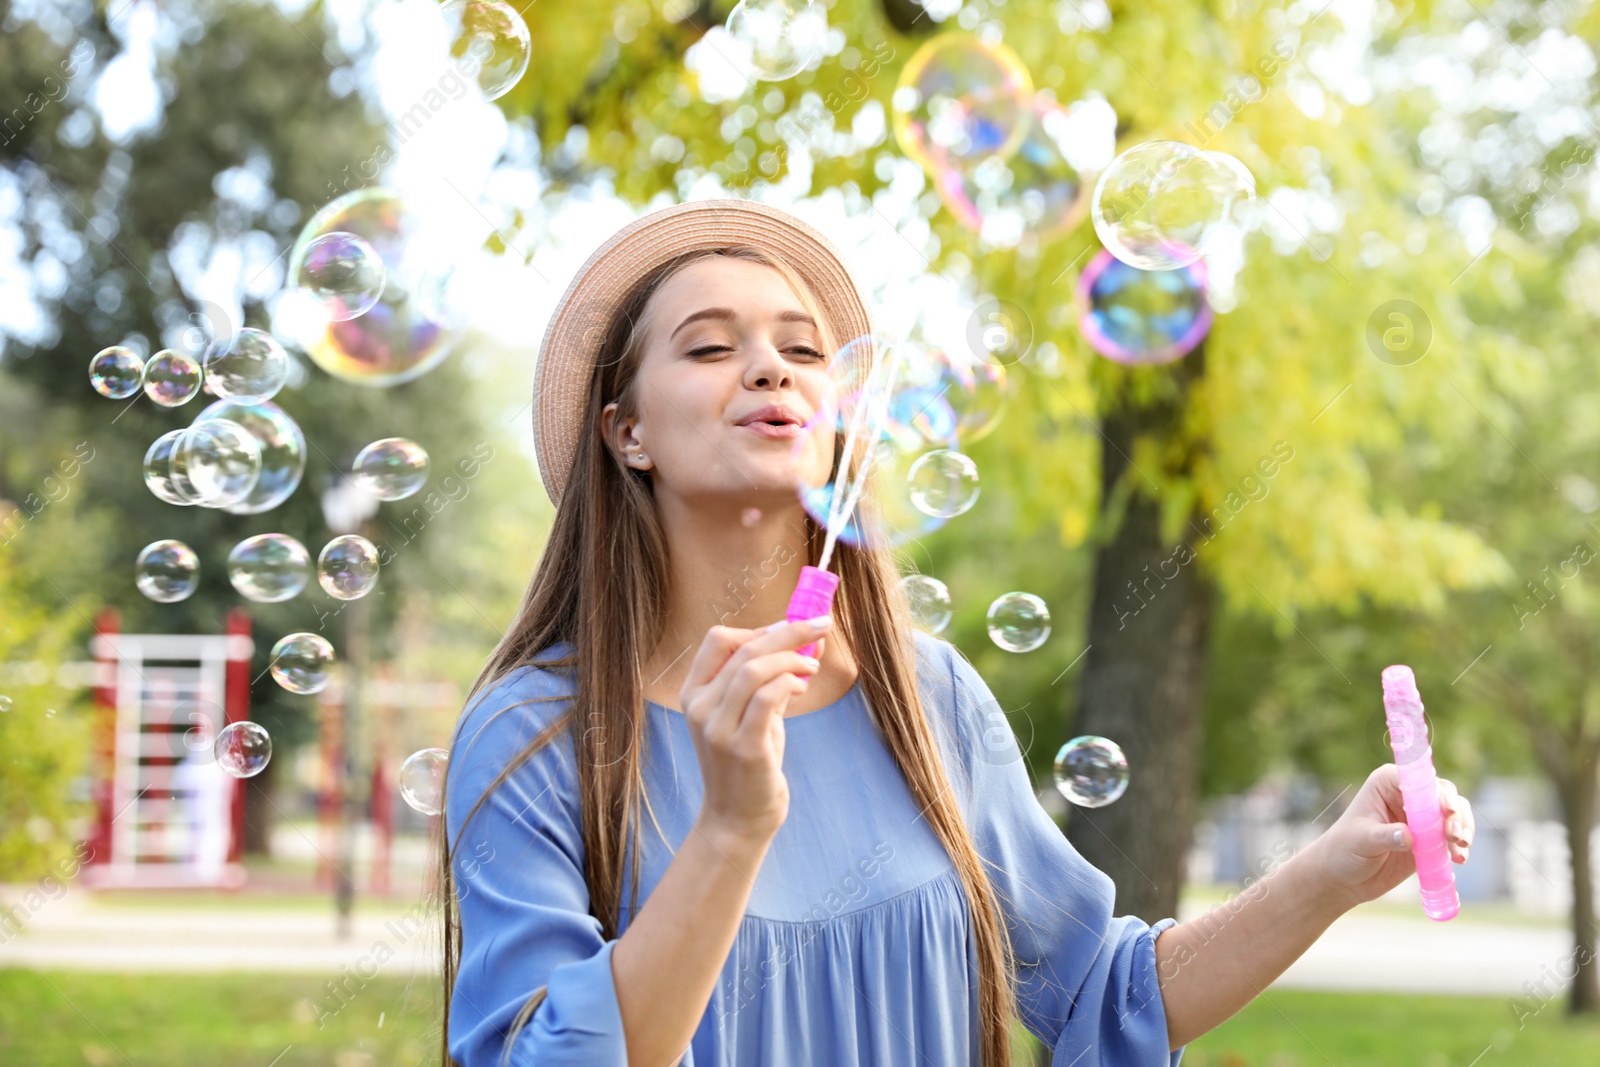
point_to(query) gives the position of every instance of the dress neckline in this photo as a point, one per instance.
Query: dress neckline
(847, 698)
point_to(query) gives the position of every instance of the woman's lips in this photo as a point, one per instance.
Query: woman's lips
(774, 430)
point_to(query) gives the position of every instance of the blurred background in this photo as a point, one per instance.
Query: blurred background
(1336, 409)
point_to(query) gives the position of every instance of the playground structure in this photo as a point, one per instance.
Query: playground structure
(166, 815)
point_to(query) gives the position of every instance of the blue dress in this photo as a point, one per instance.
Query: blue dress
(855, 949)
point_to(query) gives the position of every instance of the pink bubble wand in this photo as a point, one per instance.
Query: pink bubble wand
(1419, 792)
(813, 594)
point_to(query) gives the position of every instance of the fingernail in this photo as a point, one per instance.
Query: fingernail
(774, 626)
(1399, 839)
(821, 622)
(812, 662)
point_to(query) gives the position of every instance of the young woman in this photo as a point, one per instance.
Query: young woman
(827, 861)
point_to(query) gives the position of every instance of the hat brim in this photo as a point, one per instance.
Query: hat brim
(572, 341)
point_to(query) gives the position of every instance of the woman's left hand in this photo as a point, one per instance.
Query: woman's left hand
(1367, 852)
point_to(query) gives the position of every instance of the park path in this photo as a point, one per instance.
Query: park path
(1362, 951)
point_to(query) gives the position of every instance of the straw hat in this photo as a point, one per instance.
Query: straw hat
(572, 341)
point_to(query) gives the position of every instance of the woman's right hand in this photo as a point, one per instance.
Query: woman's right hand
(735, 698)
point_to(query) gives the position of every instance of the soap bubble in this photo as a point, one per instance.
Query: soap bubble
(395, 340)
(1137, 316)
(250, 363)
(749, 516)
(243, 749)
(948, 395)
(422, 780)
(171, 378)
(884, 511)
(1019, 622)
(347, 567)
(960, 101)
(1091, 771)
(783, 36)
(160, 477)
(5, 704)
(392, 469)
(344, 272)
(1044, 187)
(301, 663)
(1162, 204)
(269, 567)
(219, 459)
(116, 372)
(930, 602)
(278, 439)
(943, 483)
(167, 571)
(489, 42)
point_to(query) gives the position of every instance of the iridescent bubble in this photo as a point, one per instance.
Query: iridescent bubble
(948, 395)
(392, 468)
(171, 378)
(1137, 316)
(1091, 771)
(890, 420)
(219, 459)
(269, 567)
(347, 567)
(302, 663)
(5, 704)
(1019, 622)
(243, 749)
(960, 101)
(395, 340)
(280, 442)
(116, 372)
(489, 43)
(943, 483)
(167, 571)
(1162, 204)
(250, 363)
(783, 36)
(930, 602)
(344, 272)
(1042, 189)
(160, 477)
(422, 780)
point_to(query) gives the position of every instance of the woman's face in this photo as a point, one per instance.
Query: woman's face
(727, 339)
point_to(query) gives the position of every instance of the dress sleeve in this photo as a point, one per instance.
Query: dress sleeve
(1087, 981)
(518, 870)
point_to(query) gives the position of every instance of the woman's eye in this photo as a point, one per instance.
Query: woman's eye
(707, 349)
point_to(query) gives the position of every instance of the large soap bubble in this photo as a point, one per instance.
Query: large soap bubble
(171, 378)
(347, 567)
(250, 363)
(1018, 622)
(167, 571)
(783, 37)
(160, 477)
(269, 567)
(943, 483)
(219, 459)
(302, 663)
(489, 42)
(1137, 316)
(929, 599)
(243, 749)
(281, 444)
(421, 780)
(395, 340)
(1091, 771)
(960, 101)
(116, 372)
(392, 468)
(950, 396)
(1163, 204)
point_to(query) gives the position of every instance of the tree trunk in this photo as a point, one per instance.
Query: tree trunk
(1143, 683)
(1577, 808)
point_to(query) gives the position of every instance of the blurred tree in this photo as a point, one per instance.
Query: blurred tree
(254, 111)
(1240, 472)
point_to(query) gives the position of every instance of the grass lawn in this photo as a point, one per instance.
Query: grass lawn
(70, 1018)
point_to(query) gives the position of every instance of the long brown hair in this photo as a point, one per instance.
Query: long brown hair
(601, 587)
